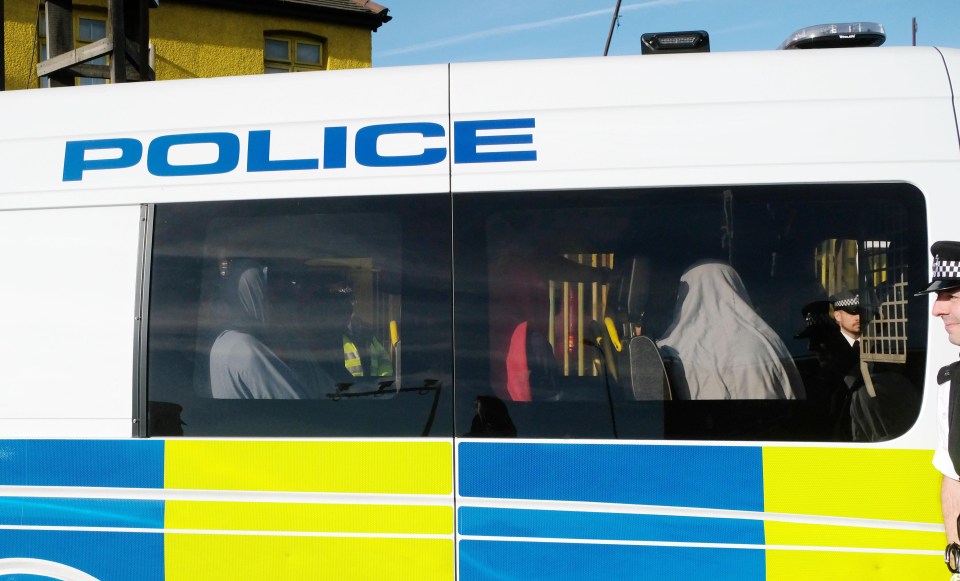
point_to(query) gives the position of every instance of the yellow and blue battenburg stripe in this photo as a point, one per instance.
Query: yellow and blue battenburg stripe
(582, 511)
(105, 538)
(230, 509)
(365, 510)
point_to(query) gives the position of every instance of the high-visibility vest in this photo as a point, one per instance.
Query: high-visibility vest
(379, 359)
(351, 357)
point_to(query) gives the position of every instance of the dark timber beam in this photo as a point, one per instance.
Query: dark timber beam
(59, 37)
(130, 20)
(127, 45)
(118, 64)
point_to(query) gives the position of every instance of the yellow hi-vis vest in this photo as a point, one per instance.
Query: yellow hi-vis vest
(380, 365)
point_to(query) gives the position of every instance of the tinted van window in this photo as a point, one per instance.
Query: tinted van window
(691, 313)
(322, 317)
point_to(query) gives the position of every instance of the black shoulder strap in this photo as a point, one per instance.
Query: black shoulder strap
(950, 372)
(946, 372)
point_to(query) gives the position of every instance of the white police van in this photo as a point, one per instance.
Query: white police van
(437, 322)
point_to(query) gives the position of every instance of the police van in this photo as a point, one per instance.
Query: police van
(566, 319)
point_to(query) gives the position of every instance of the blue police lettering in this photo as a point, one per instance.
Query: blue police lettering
(366, 147)
(469, 140)
(228, 154)
(258, 156)
(334, 147)
(75, 162)
(466, 140)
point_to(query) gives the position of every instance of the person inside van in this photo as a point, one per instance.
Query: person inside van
(846, 312)
(827, 392)
(718, 347)
(523, 365)
(364, 354)
(242, 366)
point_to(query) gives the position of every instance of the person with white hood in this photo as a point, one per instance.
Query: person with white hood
(241, 365)
(718, 347)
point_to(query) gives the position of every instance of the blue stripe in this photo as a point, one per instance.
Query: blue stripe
(529, 561)
(545, 524)
(105, 556)
(100, 463)
(724, 477)
(81, 512)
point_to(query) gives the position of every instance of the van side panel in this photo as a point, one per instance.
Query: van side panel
(329, 133)
(68, 298)
(761, 117)
(632, 124)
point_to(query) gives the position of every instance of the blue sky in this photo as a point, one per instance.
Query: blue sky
(441, 31)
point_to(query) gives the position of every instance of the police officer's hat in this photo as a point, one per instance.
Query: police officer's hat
(816, 319)
(341, 291)
(946, 267)
(848, 301)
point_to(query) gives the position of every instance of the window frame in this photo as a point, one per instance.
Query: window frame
(291, 63)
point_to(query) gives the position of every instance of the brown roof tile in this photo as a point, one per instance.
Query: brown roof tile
(357, 12)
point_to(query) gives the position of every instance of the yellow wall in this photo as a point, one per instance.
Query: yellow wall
(191, 41)
(233, 43)
(20, 33)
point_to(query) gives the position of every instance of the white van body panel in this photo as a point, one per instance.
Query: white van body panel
(69, 318)
(295, 108)
(758, 117)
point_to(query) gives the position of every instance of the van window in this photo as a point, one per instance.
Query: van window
(301, 318)
(691, 313)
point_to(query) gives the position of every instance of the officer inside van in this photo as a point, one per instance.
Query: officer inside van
(826, 390)
(364, 355)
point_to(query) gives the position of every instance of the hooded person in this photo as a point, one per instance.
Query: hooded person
(241, 365)
(718, 347)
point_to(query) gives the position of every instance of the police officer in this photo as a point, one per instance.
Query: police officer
(946, 284)
(846, 312)
(363, 353)
(827, 392)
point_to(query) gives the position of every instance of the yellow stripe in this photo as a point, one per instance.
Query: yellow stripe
(295, 517)
(852, 482)
(817, 535)
(340, 467)
(826, 566)
(267, 558)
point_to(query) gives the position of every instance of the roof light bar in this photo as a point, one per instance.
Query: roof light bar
(841, 35)
(672, 42)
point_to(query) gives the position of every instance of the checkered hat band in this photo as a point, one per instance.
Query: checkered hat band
(946, 268)
(851, 302)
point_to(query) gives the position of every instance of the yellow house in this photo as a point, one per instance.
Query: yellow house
(208, 38)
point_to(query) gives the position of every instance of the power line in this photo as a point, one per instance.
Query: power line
(616, 15)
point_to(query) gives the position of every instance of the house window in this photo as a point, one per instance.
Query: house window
(90, 30)
(283, 55)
